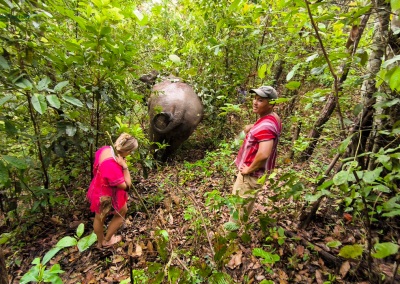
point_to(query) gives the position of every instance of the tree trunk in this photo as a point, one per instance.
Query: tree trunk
(330, 105)
(378, 47)
(3, 270)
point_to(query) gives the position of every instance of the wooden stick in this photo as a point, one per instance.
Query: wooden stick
(134, 189)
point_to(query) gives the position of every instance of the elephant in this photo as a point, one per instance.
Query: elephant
(175, 110)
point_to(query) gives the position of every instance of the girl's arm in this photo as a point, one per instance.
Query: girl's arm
(127, 175)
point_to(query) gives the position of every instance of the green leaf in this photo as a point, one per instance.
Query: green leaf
(318, 70)
(49, 255)
(290, 75)
(220, 278)
(70, 130)
(293, 85)
(174, 58)
(351, 251)
(245, 237)
(395, 78)
(3, 172)
(312, 57)
(80, 230)
(231, 226)
(334, 244)
(72, 100)
(385, 249)
(281, 232)
(4, 63)
(66, 242)
(39, 103)
(386, 104)
(105, 30)
(345, 143)
(87, 241)
(24, 84)
(53, 101)
(395, 58)
(139, 16)
(395, 4)
(391, 213)
(371, 176)
(268, 257)
(20, 164)
(358, 108)
(340, 177)
(56, 269)
(234, 5)
(261, 71)
(36, 261)
(5, 99)
(60, 85)
(42, 85)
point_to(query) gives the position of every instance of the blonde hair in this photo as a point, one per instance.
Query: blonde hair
(125, 143)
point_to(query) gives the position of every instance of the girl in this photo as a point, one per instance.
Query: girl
(111, 178)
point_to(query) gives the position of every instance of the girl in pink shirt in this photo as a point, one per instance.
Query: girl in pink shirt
(107, 189)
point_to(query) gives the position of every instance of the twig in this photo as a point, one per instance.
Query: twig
(68, 195)
(184, 266)
(131, 268)
(395, 271)
(335, 77)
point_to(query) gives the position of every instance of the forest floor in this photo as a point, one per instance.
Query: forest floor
(304, 255)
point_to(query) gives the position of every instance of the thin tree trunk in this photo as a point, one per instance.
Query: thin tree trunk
(3, 270)
(296, 134)
(330, 105)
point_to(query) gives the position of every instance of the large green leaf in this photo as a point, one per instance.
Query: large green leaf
(395, 79)
(20, 164)
(333, 244)
(60, 85)
(261, 71)
(5, 99)
(49, 255)
(351, 251)
(80, 230)
(43, 84)
(341, 177)
(395, 58)
(385, 249)
(268, 257)
(66, 242)
(371, 176)
(24, 84)
(39, 103)
(72, 100)
(53, 101)
(231, 226)
(345, 143)
(174, 58)
(4, 63)
(3, 172)
(293, 85)
(234, 5)
(87, 241)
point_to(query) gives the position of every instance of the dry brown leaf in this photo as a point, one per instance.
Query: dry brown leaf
(344, 268)
(150, 246)
(298, 278)
(130, 248)
(138, 251)
(231, 263)
(142, 245)
(89, 276)
(300, 251)
(328, 239)
(321, 263)
(118, 259)
(168, 203)
(238, 258)
(282, 275)
(318, 277)
(170, 219)
(56, 221)
(175, 198)
(77, 213)
(161, 216)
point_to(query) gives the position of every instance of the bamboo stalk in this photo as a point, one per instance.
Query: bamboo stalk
(134, 189)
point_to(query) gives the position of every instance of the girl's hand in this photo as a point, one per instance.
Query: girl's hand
(121, 161)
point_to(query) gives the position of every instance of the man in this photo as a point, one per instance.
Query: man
(258, 152)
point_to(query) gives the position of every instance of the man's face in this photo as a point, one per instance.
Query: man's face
(261, 105)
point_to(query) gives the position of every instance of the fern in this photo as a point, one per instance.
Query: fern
(231, 226)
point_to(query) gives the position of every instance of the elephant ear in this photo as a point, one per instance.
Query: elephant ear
(149, 79)
(164, 122)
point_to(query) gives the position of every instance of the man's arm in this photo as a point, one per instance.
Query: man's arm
(263, 153)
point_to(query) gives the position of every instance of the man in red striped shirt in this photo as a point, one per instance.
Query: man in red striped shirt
(258, 152)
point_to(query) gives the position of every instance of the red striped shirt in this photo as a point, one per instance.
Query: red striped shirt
(266, 128)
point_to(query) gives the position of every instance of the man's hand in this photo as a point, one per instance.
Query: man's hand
(244, 170)
(248, 127)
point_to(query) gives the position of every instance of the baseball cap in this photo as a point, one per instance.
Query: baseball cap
(266, 92)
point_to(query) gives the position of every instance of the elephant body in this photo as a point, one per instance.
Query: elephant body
(175, 111)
